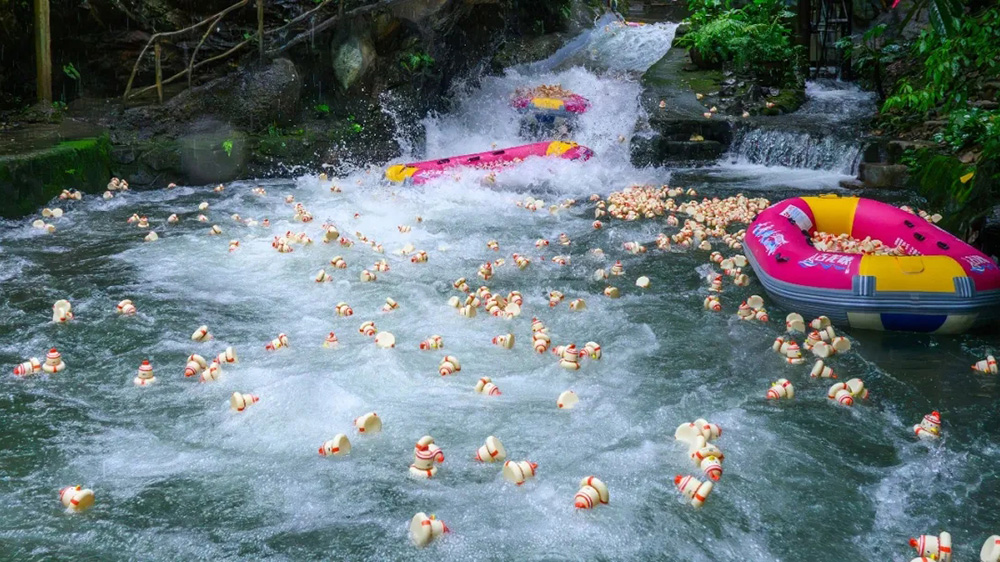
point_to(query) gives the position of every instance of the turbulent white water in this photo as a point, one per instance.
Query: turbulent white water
(179, 476)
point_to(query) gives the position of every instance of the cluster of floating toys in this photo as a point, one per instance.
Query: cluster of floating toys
(752, 309)
(707, 218)
(846, 244)
(53, 364)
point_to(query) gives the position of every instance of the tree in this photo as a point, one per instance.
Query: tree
(43, 50)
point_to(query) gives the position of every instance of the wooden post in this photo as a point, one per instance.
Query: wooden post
(159, 71)
(260, 28)
(43, 51)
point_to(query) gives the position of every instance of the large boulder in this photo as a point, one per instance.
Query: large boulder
(267, 95)
(250, 99)
(353, 55)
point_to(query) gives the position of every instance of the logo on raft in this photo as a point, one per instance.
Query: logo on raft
(979, 264)
(797, 215)
(828, 261)
(769, 237)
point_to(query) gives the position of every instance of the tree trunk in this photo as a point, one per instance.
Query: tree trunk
(43, 51)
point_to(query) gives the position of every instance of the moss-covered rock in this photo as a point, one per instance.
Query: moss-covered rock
(31, 178)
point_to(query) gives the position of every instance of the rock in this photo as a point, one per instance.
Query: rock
(265, 96)
(985, 104)
(251, 99)
(352, 57)
(32, 177)
(851, 184)
(883, 175)
(989, 235)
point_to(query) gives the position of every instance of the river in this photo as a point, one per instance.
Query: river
(179, 476)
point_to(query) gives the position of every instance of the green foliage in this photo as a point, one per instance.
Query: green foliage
(954, 66)
(322, 109)
(944, 15)
(71, 71)
(970, 127)
(59, 105)
(870, 57)
(757, 38)
(416, 61)
(353, 126)
(962, 193)
(227, 145)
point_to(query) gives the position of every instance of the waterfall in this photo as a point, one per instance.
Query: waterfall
(824, 134)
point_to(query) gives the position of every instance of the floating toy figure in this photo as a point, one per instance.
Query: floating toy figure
(593, 350)
(385, 340)
(211, 373)
(195, 365)
(76, 498)
(820, 370)
(125, 308)
(277, 343)
(425, 455)
(519, 472)
(201, 334)
(29, 367)
(988, 366)
(449, 365)
(929, 429)
(577, 304)
(322, 277)
(424, 529)
(845, 393)
(491, 451)
(780, 388)
(367, 329)
(240, 401)
(592, 492)
(693, 489)
(331, 340)
(991, 550)
(505, 341)
(228, 356)
(936, 548)
(569, 358)
(62, 311)
(567, 400)
(145, 375)
(53, 362)
(612, 292)
(343, 309)
(642, 282)
(485, 386)
(368, 423)
(433, 342)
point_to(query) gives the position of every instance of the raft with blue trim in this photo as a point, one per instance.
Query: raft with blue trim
(942, 285)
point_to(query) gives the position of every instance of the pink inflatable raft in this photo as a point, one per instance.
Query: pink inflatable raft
(941, 285)
(421, 172)
(568, 106)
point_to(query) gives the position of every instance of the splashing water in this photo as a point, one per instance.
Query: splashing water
(180, 476)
